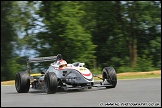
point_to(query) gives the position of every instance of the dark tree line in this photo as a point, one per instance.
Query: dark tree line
(126, 35)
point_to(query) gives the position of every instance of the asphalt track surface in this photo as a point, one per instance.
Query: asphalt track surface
(127, 93)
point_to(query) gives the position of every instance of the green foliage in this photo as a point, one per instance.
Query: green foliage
(96, 71)
(122, 69)
(111, 33)
(13, 20)
(144, 64)
(155, 52)
(119, 61)
(7, 36)
(14, 67)
(64, 34)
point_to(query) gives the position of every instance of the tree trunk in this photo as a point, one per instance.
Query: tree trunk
(133, 38)
(133, 53)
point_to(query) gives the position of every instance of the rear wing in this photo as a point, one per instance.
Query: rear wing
(43, 59)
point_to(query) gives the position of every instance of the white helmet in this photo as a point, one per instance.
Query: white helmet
(62, 63)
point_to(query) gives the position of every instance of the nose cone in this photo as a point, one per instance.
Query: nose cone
(85, 72)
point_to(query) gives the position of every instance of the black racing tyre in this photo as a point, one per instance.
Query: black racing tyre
(109, 74)
(22, 82)
(51, 84)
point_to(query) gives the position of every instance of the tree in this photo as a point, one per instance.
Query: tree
(118, 30)
(64, 33)
(13, 20)
(7, 35)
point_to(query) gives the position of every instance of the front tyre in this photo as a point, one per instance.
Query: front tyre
(51, 84)
(109, 74)
(22, 82)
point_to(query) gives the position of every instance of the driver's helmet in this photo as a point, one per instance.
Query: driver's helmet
(62, 64)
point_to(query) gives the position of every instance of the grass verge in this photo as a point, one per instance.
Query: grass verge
(135, 75)
(126, 75)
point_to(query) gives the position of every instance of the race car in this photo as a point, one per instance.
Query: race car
(72, 76)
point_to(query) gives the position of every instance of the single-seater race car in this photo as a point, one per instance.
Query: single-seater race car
(73, 76)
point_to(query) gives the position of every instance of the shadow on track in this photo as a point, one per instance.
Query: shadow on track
(60, 91)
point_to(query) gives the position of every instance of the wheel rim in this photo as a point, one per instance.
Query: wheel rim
(105, 76)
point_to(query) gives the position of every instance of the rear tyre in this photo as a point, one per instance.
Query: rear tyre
(109, 74)
(22, 82)
(51, 84)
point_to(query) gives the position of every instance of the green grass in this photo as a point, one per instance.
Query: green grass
(140, 76)
(151, 75)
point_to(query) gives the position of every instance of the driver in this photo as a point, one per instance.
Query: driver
(62, 64)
